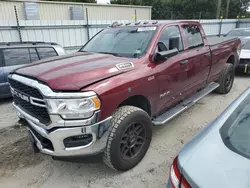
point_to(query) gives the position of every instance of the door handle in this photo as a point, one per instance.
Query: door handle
(184, 62)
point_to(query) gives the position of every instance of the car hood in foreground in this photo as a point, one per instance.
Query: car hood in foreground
(207, 162)
(75, 71)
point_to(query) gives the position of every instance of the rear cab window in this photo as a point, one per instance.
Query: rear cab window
(235, 132)
(16, 56)
(193, 36)
(46, 52)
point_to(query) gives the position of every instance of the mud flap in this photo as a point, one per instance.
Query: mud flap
(33, 142)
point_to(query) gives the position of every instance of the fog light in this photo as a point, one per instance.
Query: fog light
(79, 140)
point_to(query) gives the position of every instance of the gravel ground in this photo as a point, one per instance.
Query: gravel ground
(19, 167)
(8, 116)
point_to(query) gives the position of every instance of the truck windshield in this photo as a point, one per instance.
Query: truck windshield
(236, 130)
(124, 42)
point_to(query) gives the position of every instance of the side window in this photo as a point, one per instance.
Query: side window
(170, 39)
(44, 52)
(16, 56)
(194, 37)
(33, 55)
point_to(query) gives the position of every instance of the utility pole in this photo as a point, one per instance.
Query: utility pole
(227, 10)
(218, 9)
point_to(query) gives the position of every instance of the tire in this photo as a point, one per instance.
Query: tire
(226, 79)
(22, 121)
(129, 138)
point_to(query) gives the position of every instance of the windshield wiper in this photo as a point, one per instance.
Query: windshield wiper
(114, 54)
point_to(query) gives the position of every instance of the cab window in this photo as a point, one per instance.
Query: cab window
(170, 39)
(193, 34)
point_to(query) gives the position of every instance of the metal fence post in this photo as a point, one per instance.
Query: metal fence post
(238, 23)
(87, 26)
(18, 25)
(220, 27)
(135, 16)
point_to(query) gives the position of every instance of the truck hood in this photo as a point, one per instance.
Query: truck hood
(75, 71)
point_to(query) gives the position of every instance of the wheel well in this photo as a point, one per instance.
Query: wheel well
(231, 60)
(138, 101)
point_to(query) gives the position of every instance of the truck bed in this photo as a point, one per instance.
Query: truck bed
(212, 41)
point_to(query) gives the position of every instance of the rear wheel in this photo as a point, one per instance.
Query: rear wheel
(129, 138)
(226, 79)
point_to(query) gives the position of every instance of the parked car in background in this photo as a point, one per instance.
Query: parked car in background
(219, 156)
(15, 54)
(244, 64)
(239, 32)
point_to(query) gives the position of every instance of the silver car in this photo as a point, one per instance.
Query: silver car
(15, 54)
(239, 32)
(219, 156)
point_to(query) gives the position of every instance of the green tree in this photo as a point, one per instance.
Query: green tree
(237, 8)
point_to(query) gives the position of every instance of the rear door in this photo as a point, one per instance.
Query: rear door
(197, 58)
(14, 58)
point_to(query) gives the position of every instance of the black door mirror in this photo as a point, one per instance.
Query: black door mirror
(164, 55)
(174, 42)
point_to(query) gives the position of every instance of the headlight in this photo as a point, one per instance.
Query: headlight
(79, 108)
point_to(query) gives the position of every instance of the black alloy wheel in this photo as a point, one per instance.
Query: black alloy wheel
(132, 140)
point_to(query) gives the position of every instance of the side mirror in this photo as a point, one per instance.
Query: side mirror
(164, 55)
(174, 42)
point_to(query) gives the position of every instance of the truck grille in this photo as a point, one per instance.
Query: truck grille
(37, 112)
(33, 92)
(245, 61)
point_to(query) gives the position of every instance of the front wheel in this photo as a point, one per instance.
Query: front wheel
(226, 79)
(129, 138)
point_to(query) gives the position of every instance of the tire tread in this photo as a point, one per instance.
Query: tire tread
(119, 115)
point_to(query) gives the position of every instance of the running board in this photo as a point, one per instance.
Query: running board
(184, 105)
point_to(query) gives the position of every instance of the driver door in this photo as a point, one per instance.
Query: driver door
(172, 72)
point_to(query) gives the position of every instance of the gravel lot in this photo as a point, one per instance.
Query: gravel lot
(19, 167)
(8, 116)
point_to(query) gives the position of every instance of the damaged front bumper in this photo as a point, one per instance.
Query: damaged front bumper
(68, 141)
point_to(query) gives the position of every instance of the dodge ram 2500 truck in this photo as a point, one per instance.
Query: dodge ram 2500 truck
(127, 78)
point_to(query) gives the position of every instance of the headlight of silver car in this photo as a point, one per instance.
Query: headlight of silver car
(78, 108)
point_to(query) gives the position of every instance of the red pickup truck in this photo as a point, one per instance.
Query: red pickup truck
(107, 97)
